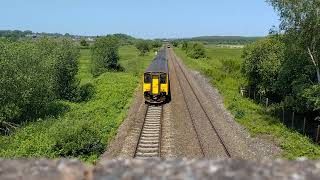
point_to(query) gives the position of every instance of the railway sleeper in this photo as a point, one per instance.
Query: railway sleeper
(150, 154)
(150, 132)
(149, 141)
(150, 135)
(149, 145)
(150, 138)
(148, 149)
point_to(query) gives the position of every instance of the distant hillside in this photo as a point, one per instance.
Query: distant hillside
(232, 40)
(17, 34)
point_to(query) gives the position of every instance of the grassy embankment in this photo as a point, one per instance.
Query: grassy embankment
(84, 129)
(223, 69)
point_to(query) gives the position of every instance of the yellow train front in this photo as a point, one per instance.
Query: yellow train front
(156, 83)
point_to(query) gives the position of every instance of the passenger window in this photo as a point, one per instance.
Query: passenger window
(163, 79)
(147, 78)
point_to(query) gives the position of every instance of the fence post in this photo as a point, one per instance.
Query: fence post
(254, 95)
(267, 102)
(249, 92)
(282, 114)
(292, 125)
(318, 132)
(304, 125)
(242, 91)
(260, 98)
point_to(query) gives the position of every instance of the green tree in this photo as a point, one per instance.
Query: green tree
(67, 66)
(27, 81)
(105, 55)
(195, 50)
(262, 63)
(33, 74)
(175, 43)
(156, 44)
(84, 43)
(300, 19)
(143, 46)
(312, 97)
(185, 45)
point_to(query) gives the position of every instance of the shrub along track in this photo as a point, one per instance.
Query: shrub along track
(189, 93)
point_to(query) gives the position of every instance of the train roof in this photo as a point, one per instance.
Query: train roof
(160, 63)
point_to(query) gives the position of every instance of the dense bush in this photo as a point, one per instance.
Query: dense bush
(26, 81)
(289, 66)
(143, 46)
(67, 66)
(194, 50)
(230, 66)
(283, 71)
(299, 74)
(124, 39)
(185, 45)
(84, 43)
(262, 63)
(312, 97)
(105, 55)
(197, 51)
(78, 141)
(32, 75)
(86, 92)
(175, 43)
(156, 44)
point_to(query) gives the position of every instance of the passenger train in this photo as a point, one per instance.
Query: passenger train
(156, 82)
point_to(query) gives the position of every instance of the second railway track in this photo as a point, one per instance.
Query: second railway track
(223, 144)
(149, 143)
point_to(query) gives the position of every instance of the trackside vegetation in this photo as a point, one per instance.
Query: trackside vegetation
(285, 66)
(33, 75)
(223, 68)
(82, 129)
(105, 55)
(194, 50)
(145, 46)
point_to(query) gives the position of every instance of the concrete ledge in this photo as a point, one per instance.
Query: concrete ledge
(157, 169)
(43, 169)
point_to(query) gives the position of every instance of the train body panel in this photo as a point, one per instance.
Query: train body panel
(155, 84)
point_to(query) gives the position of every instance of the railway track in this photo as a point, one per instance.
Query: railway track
(149, 143)
(227, 152)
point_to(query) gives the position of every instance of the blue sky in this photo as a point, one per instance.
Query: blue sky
(140, 18)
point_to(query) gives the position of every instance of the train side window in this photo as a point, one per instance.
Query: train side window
(163, 79)
(147, 78)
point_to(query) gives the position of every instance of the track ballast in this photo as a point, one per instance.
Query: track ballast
(150, 136)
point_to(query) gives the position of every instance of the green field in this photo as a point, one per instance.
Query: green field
(82, 130)
(223, 67)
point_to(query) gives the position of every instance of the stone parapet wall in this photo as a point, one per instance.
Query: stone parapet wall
(158, 169)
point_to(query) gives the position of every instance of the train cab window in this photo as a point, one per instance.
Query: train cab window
(147, 78)
(163, 79)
